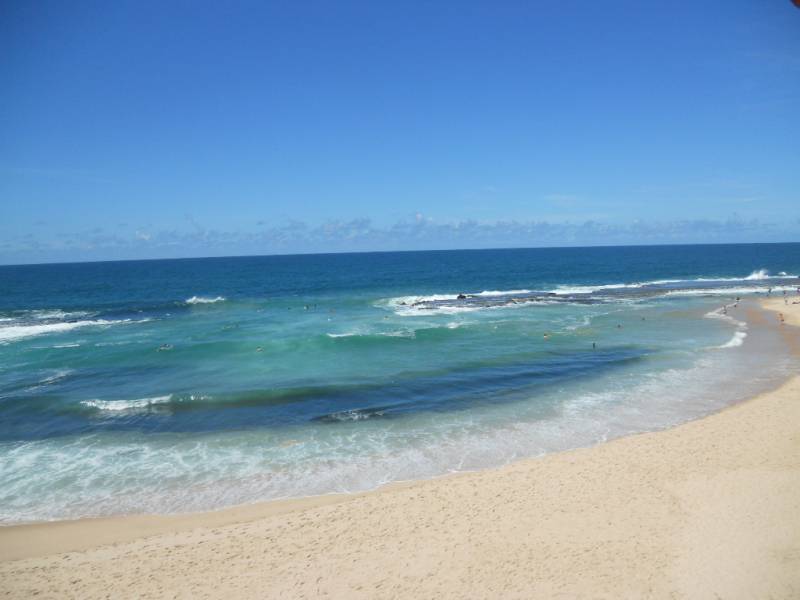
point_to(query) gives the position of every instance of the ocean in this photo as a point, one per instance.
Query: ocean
(183, 385)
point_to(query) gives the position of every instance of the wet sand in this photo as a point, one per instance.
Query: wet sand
(708, 509)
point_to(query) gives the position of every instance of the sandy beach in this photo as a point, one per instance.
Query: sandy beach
(708, 509)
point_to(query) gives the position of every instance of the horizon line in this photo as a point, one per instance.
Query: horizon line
(125, 260)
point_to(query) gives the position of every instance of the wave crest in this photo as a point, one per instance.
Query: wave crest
(17, 332)
(203, 300)
(120, 405)
(735, 341)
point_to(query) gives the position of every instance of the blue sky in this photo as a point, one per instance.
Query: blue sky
(165, 129)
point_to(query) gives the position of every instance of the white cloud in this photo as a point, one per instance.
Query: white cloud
(417, 233)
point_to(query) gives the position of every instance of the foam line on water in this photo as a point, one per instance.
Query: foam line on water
(18, 332)
(353, 452)
(735, 341)
(204, 300)
(122, 405)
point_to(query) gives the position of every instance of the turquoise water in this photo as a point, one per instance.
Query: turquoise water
(181, 385)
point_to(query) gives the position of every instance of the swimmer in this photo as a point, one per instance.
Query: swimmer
(163, 347)
(594, 345)
(259, 349)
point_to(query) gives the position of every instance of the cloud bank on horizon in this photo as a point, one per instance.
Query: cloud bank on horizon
(361, 235)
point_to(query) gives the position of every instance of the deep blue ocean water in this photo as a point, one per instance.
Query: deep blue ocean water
(178, 385)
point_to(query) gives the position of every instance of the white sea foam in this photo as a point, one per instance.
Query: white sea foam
(722, 314)
(502, 292)
(729, 291)
(407, 333)
(735, 341)
(420, 306)
(404, 333)
(409, 300)
(741, 326)
(203, 300)
(588, 289)
(17, 332)
(119, 405)
(119, 473)
(57, 313)
(759, 275)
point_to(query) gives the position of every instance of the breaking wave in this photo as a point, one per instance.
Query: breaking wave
(120, 405)
(17, 332)
(735, 341)
(203, 300)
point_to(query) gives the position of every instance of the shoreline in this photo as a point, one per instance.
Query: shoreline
(644, 498)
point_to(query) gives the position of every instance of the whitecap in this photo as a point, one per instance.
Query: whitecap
(57, 313)
(728, 291)
(756, 275)
(202, 300)
(18, 332)
(588, 289)
(502, 292)
(120, 405)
